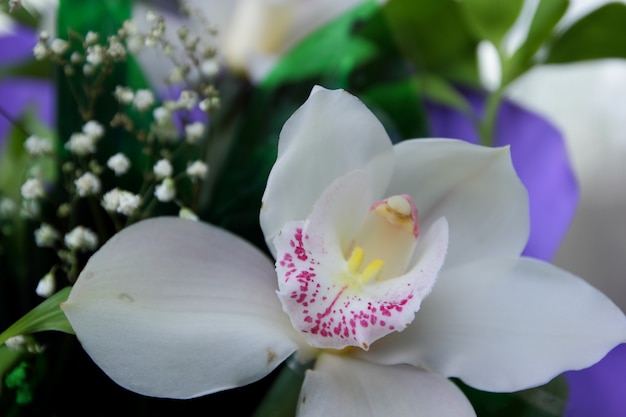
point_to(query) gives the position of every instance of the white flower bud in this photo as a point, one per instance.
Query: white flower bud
(209, 68)
(143, 100)
(186, 213)
(40, 51)
(111, 200)
(162, 115)
(162, 169)
(81, 238)
(36, 146)
(59, 46)
(128, 203)
(7, 207)
(166, 191)
(198, 170)
(81, 144)
(46, 286)
(194, 132)
(93, 129)
(91, 37)
(16, 342)
(119, 163)
(32, 188)
(87, 184)
(45, 236)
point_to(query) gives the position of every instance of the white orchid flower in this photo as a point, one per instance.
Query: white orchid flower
(174, 308)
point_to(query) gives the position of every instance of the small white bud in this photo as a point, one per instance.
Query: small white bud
(93, 129)
(59, 46)
(91, 37)
(32, 188)
(111, 200)
(76, 58)
(151, 17)
(162, 115)
(128, 203)
(95, 55)
(186, 213)
(166, 191)
(143, 100)
(124, 94)
(7, 207)
(81, 238)
(119, 163)
(209, 68)
(45, 236)
(197, 170)
(40, 51)
(16, 342)
(163, 169)
(46, 286)
(87, 184)
(36, 146)
(194, 132)
(81, 144)
(187, 99)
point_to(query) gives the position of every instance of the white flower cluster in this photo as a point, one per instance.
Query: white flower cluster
(121, 201)
(46, 235)
(81, 238)
(36, 146)
(84, 143)
(119, 163)
(87, 184)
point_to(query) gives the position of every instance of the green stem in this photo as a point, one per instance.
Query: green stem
(488, 123)
(282, 398)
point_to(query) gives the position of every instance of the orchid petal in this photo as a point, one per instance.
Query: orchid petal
(331, 134)
(540, 159)
(348, 387)
(506, 332)
(324, 299)
(474, 188)
(175, 308)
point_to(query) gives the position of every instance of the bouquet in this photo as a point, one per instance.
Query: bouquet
(292, 209)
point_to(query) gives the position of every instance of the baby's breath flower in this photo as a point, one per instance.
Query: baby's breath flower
(151, 16)
(59, 46)
(95, 55)
(89, 69)
(162, 169)
(187, 99)
(36, 146)
(81, 144)
(93, 129)
(166, 191)
(7, 207)
(32, 188)
(111, 200)
(143, 99)
(116, 49)
(16, 342)
(124, 94)
(128, 203)
(162, 115)
(91, 37)
(46, 286)
(81, 238)
(40, 50)
(194, 132)
(187, 213)
(87, 184)
(197, 170)
(119, 163)
(210, 103)
(76, 58)
(209, 67)
(177, 75)
(45, 236)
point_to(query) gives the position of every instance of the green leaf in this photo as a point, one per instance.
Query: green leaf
(14, 160)
(46, 316)
(330, 52)
(489, 19)
(547, 15)
(545, 401)
(440, 91)
(434, 37)
(598, 35)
